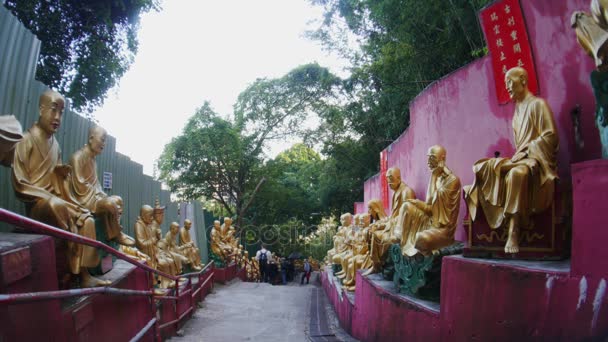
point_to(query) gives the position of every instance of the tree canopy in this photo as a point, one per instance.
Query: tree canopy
(87, 46)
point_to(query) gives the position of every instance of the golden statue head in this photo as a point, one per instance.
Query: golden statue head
(187, 224)
(346, 219)
(146, 214)
(174, 228)
(159, 212)
(97, 139)
(246, 254)
(516, 81)
(375, 209)
(365, 220)
(393, 178)
(216, 224)
(357, 219)
(50, 105)
(436, 157)
(227, 222)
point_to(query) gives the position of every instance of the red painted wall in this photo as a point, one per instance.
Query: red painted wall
(461, 111)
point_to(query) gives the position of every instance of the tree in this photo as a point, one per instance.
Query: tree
(221, 159)
(87, 46)
(292, 188)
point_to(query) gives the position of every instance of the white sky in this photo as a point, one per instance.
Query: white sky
(197, 50)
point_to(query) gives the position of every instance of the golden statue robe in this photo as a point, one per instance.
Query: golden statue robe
(390, 230)
(86, 189)
(37, 182)
(191, 252)
(433, 227)
(528, 185)
(173, 249)
(145, 240)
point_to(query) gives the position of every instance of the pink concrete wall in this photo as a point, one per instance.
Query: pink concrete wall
(371, 189)
(461, 111)
(360, 208)
(589, 233)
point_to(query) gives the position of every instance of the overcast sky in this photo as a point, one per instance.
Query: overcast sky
(193, 51)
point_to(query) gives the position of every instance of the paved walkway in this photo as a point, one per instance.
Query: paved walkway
(241, 311)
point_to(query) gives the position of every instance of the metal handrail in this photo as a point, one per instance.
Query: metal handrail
(14, 298)
(43, 228)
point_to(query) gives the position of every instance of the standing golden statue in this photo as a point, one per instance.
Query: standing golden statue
(158, 214)
(510, 190)
(432, 224)
(39, 179)
(188, 247)
(86, 189)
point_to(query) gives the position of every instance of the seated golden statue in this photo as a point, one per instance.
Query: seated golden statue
(343, 247)
(218, 247)
(431, 225)
(10, 134)
(229, 238)
(39, 180)
(145, 234)
(188, 247)
(345, 221)
(361, 258)
(391, 230)
(509, 191)
(86, 189)
(171, 244)
(168, 263)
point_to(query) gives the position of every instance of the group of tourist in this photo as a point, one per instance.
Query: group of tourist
(277, 269)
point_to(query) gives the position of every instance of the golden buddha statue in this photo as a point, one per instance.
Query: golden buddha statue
(592, 32)
(361, 257)
(188, 247)
(172, 247)
(230, 241)
(509, 191)
(391, 230)
(431, 225)
(145, 235)
(342, 242)
(217, 245)
(167, 262)
(338, 238)
(86, 189)
(39, 180)
(10, 134)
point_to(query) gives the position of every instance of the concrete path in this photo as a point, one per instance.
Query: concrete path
(242, 311)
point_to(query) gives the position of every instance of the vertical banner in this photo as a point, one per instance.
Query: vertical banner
(507, 39)
(383, 182)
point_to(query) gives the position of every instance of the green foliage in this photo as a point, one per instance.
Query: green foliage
(218, 159)
(87, 46)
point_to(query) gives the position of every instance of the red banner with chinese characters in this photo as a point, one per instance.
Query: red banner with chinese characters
(383, 181)
(507, 38)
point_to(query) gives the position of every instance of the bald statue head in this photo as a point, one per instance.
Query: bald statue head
(376, 209)
(516, 81)
(146, 213)
(174, 228)
(187, 224)
(97, 139)
(346, 219)
(50, 105)
(393, 178)
(436, 158)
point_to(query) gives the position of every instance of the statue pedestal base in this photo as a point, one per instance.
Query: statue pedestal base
(225, 274)
(548, 238)
(420, 275)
